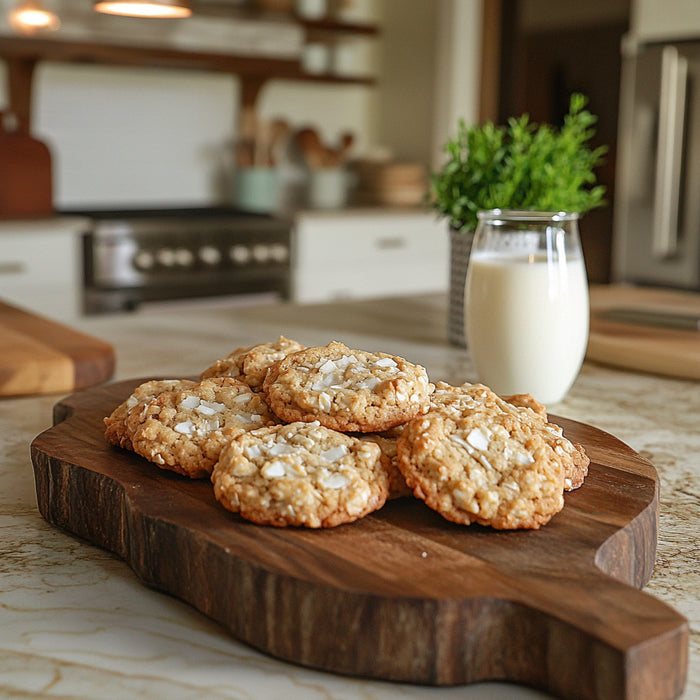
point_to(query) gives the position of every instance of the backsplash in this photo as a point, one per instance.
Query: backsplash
(133, 136)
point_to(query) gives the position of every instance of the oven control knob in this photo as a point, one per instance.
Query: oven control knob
(209, 255)
(240, 254)
(279, 252)
(144, 260)
(165, 257)
(261, 253)
(184, 257)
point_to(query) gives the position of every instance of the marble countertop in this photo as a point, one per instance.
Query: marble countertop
(75, 621)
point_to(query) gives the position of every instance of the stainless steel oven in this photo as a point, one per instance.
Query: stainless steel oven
(133, 257)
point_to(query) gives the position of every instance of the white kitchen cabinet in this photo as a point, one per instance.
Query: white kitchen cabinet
(355, 254)
(41, 266)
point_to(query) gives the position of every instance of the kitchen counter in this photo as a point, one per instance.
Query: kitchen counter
(75, 621)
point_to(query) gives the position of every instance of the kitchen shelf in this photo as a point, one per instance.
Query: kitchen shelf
(330, 26)
(22, 54)
(12, 48)
(135, 55)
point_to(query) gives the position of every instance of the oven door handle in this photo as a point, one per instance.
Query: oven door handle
(674, 73)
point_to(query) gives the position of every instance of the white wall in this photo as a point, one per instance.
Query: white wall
(407, 61)
(457, 70)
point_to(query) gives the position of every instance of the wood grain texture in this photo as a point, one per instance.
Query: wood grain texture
(40, 356)
(402, 594)
(667, 351)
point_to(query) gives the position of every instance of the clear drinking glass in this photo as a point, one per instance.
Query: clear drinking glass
(526, 302)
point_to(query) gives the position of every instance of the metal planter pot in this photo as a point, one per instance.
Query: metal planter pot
(460, 247)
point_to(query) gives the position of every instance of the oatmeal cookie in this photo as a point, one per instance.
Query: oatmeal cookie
(467, 396)
(120, 423)
(347, 390)
(390, 458)
(184, 430)
(250, 364)
(573, 455)
(527, 401)
(482, 465)
(300, 474)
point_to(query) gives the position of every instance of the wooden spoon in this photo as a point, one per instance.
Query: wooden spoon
(279, 134)
(347, 139)
(313, 150)
(245, 153)
(262, 145)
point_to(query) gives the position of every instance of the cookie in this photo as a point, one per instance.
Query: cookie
(527, 401)
(300, 474)
(119, 424)
(482, 465)
(184, 430)
(573, 456)
(390, 457)
(347, 390)
(250, 364)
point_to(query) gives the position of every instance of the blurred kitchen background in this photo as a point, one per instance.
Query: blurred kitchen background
(281, 149)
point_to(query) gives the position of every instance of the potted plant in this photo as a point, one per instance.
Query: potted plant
(522, 165)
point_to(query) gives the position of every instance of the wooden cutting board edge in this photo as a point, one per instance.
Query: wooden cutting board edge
(647, 666)
(41, 356)
(655, 350)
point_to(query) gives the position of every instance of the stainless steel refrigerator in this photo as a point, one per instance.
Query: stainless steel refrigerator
(656, 238)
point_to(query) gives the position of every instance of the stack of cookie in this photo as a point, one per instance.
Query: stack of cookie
(321, 436)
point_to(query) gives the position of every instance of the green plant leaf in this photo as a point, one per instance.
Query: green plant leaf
(521, 165)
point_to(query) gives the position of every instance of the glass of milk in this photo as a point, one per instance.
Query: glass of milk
(526, 302)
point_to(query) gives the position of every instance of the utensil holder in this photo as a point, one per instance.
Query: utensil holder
(256, 190)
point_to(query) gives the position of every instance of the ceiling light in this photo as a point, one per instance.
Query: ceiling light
(145, 8)
(31, 17)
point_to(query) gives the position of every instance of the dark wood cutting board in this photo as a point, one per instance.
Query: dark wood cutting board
(40, 356)
(402, 594)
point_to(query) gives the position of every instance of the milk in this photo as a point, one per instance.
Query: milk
(526, 323)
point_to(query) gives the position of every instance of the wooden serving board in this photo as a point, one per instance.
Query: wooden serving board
(40, 356)
(659, 350)
(402, 594)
